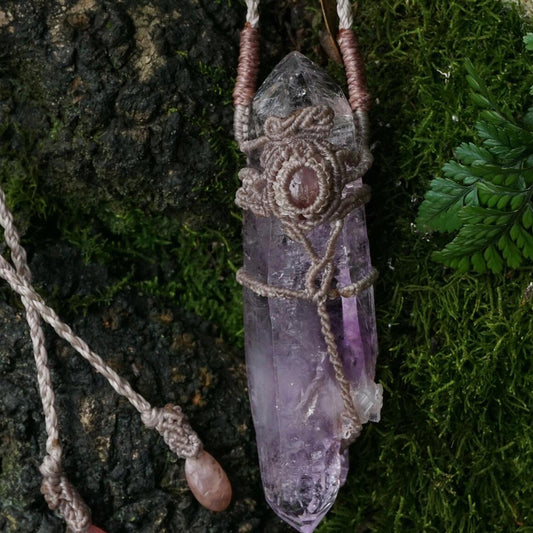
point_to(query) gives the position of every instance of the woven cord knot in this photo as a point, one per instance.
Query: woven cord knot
(173, 426)
(62, 496)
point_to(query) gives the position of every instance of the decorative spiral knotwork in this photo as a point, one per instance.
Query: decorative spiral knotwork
(303, 178)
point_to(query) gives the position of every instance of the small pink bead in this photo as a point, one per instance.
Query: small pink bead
(94, 529)
(208, 482)
(303, 187)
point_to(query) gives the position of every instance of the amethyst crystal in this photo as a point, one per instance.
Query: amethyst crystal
(296, 405)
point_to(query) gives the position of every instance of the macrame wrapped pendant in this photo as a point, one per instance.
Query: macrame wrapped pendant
(310, 331)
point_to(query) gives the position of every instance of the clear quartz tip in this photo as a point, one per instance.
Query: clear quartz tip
(304, 528)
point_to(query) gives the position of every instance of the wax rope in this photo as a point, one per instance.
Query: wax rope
(359, 96)
(271, 291)
(246, 80)
(288, 144)
(248, 66)
(345, 13)
(252, 12)
(287, 150)
(344, 10)
(169, 421)
(58, 492)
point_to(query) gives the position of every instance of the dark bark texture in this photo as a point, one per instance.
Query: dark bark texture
(111, 100)
(119, 87)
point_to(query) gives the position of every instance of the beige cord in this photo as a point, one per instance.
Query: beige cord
(344, 10)
(169, 421)
(279, 145)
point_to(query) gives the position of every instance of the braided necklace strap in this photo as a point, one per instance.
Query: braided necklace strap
(170, 421)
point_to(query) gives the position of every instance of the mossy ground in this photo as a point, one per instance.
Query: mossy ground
(454, 449)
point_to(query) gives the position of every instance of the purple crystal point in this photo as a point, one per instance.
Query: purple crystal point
(296, 403)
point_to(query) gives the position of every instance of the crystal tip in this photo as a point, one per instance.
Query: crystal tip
(307, 528)
(298, 526)
(305, 522)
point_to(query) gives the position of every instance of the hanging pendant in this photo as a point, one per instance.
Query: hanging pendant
(310, 330)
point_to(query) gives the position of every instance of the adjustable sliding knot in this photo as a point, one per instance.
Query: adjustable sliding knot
(205, 477)
(60, 495)
(175, 429)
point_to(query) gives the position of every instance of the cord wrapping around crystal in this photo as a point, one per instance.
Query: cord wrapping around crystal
(303, 176)
(309, 318)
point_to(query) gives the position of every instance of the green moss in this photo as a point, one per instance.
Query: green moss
(164, 257)
(19, 176)
(454, 449)
(205, 283)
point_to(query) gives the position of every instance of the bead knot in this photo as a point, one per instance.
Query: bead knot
(62, 497)
(175, 429)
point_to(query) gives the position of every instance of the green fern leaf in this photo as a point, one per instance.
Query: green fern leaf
(527, 217)
(528, 119)
(487, 192)
(469, 154)
(459, 173)
(510, 251)
(442, 204)
(479, 263)
(525, 241)
(494, 259)
(528, 41)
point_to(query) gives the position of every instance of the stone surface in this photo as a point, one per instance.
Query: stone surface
(295, 400)
(124, 472)
(208, 482)
(110, 94)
